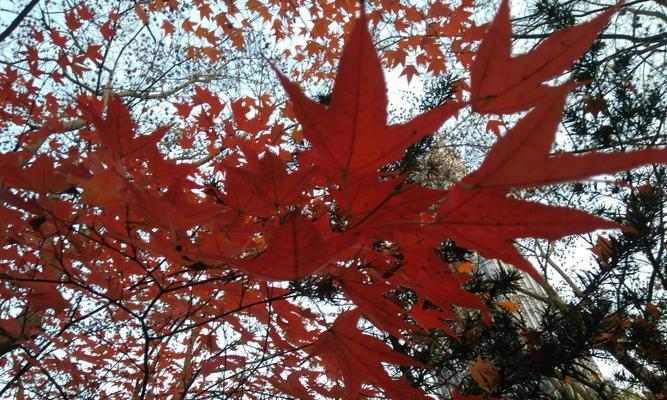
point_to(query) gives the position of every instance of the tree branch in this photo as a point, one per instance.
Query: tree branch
(560, 271)
(648, 13)
(17, 21)
(613, 36)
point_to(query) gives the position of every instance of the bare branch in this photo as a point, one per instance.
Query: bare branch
(613, 36)
(576, 289)
(17, 21)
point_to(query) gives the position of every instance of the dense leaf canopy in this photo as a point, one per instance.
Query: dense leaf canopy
(199, 255)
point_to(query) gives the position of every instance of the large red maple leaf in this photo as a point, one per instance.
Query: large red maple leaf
(350, 141)
(351, 135)
(358, 357)
(502, 84)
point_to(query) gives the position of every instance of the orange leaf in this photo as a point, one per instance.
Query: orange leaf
(510, 306)
(485, 374)
(465, 267)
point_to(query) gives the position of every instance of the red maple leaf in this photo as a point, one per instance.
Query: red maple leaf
(503, 84)
(116, 130)
(264, 187)
(522, 157)
(296, 248)
(359, 358)
(58, 39)
(351, 135)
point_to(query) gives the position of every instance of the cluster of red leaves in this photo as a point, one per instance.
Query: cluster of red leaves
(138, 235)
